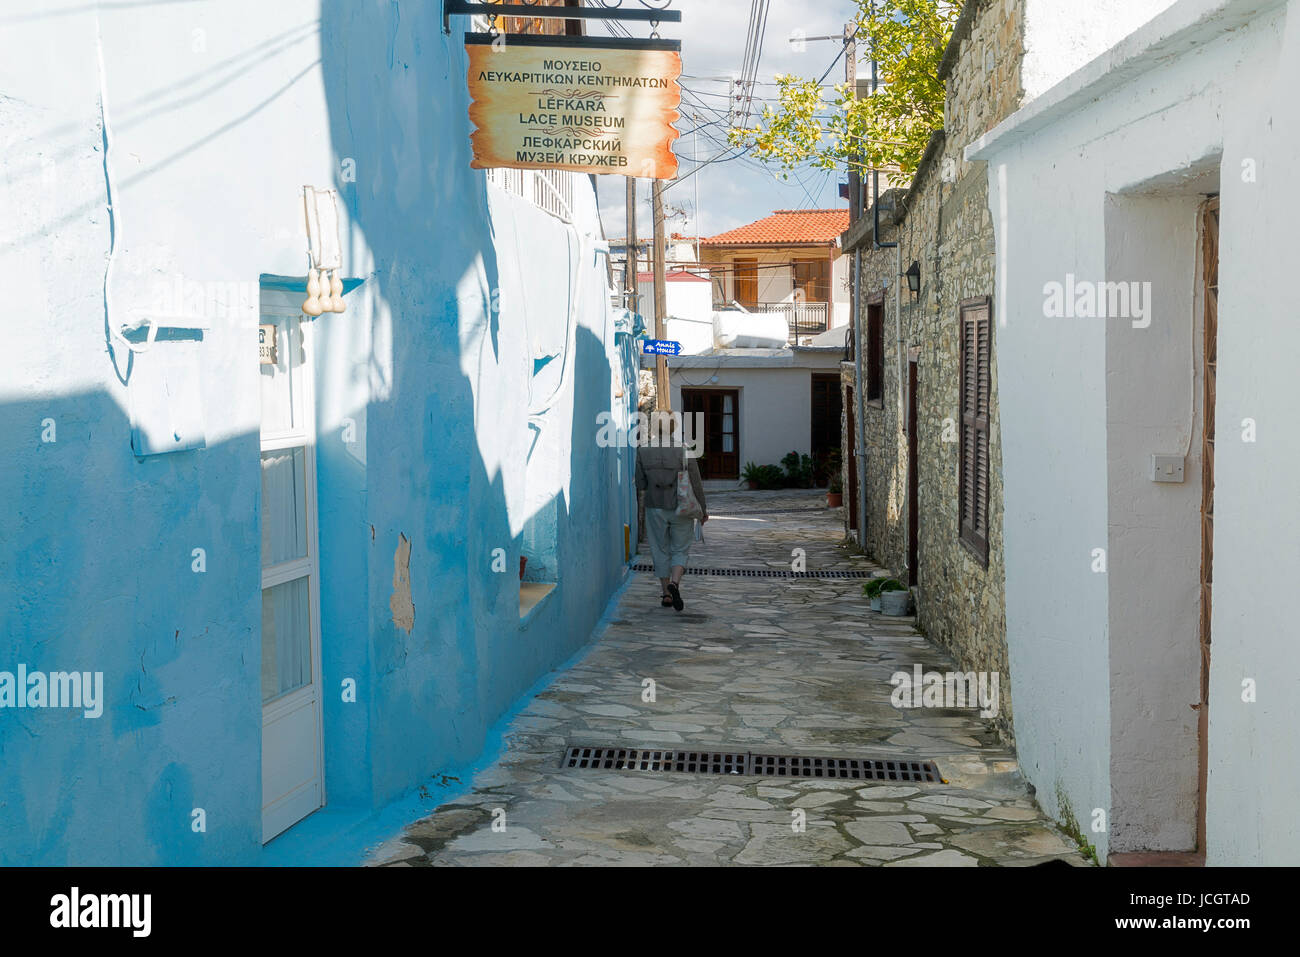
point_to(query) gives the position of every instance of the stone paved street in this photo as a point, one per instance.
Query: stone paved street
(781, 665)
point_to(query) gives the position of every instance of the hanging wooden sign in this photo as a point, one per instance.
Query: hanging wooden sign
(545, 102)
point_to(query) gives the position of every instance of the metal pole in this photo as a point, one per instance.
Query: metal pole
(859, 397)
(630, 287)
(665, 399)
(695, 148)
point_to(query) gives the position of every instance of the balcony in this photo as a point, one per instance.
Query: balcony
(805, 319)
(550, 190)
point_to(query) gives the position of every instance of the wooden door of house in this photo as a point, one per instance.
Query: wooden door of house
(721, 411)
(825, 437)
(851, 446)
(745, 282)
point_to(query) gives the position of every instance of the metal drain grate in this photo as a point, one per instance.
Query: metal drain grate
(761, 765)
(647, 759)
(761, 572)
(856, 769)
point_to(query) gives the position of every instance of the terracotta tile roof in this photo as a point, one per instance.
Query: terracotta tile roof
(785, 227)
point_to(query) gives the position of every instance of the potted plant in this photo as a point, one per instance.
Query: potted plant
(798, 470)
(871, 589)
(895, 598)
(751, 475)
(835, 494)
(831, 464)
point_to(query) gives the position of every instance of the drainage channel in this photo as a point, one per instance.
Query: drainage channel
(749, 763)
(762, 572)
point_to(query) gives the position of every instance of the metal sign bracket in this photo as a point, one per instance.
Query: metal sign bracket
(470, 8)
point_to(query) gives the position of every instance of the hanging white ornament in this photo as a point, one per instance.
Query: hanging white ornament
(336, 292)
(313, 306)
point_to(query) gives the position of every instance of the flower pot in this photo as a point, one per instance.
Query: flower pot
(895, 603)
(834, 499)
(875, 603)
(522, 562)
(753, 486)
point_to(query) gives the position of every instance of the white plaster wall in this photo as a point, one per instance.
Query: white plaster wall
(695, 335)
(1154, 385)
(841, 294)
(1253, 775)
(1227, 91)
(775, 407)
(1063, 35)
(688, 300)
(1051, 392)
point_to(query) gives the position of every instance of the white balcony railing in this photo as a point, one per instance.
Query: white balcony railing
(805, 319)
(550, 190)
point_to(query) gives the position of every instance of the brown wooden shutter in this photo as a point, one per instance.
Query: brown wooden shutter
(976, 388)
(745, 282)
(875, 350)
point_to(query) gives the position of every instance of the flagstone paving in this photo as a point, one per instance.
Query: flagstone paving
(772, 664)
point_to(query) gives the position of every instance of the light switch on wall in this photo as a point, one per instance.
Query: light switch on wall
(1166, 468)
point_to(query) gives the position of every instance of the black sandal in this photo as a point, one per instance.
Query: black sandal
(677, 596)
(667, 601)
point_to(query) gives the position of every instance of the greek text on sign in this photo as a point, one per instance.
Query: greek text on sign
(590, 109)
(661, 347)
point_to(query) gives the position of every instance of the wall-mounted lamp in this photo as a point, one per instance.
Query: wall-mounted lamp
(913, 275)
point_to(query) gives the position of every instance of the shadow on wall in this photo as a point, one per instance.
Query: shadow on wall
(398, 116)
(96, 549)
(398, 124)
(99, 573)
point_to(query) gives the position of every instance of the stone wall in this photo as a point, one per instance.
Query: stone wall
(943, 223)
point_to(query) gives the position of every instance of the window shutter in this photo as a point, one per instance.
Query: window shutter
(875, 351)
(976, 387)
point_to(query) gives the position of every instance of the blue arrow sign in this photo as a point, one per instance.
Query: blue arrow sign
(661, 347)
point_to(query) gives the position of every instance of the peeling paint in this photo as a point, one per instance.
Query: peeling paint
(400, 602)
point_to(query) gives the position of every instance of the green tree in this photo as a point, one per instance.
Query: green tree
(886, 130)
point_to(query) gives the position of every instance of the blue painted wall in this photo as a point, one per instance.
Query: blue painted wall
(469, 372)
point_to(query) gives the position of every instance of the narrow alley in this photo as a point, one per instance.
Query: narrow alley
(786, 665)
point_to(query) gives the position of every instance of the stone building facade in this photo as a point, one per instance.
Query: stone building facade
(1002, 55)
(942, 223)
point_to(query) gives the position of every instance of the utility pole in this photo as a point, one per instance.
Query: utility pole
(630, 286)
(695, 148)
(664, 396)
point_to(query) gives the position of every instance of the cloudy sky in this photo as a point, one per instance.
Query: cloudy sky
(737, 191)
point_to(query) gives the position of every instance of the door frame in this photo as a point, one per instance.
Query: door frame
(851, 442)
(281, 814)
(833, 385)
(1209, 249)
(913, 472)
(735, 391)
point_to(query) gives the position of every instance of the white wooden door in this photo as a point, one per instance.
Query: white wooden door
(293, 783)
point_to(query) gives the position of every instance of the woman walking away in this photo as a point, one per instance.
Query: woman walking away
(668, 531)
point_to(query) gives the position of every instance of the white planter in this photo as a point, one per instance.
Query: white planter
(895, 603)
(875, 603)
